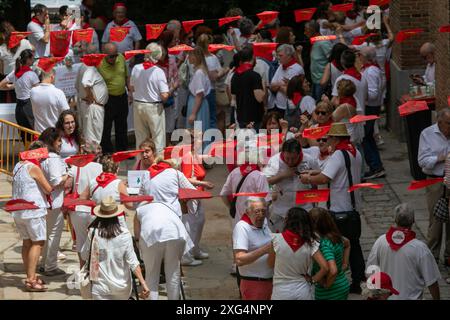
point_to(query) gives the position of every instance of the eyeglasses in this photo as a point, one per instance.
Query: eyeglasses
(260, 211)
(321, 113)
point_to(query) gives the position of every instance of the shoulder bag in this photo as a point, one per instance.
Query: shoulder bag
(233, 202)
(84, 280)
(441, 208)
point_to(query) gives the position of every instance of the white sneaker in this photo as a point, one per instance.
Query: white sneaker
(201, 255)
(61, 256)
(190, 262)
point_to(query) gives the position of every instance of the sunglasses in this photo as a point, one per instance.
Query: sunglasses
(322, 140)
(321, 113)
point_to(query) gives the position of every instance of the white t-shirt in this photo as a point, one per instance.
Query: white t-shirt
(24, 84)
(412, 268)
(280, 74)
(360, 94)
(9, 59)
(429, 76)
(250, 238)
(54, 169)
(335, 169)
(213, 64)
(263, 69)
(374, 79)
(148, 84)
(41, 47)
(335, 74)
(93, 79)
(48, 102)
(87, 174)
(128, 43)
(200, 83)
(68, 148)
(308, 104)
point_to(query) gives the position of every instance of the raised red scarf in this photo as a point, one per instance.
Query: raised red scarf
(148, 65)
(300, 159)
(22, 71)
(398, 237)
(289, 64)
(246, 169)
(158, 168)
(244, 67)
(347, 146)
(105, 178)
(246, 219)
(36, 20)
(353, 73)
(350, 100)
(294, 240)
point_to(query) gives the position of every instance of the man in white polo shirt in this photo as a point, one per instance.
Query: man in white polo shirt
(150, 90)
(40, 28)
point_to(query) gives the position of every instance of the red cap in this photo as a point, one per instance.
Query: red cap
(16, 37)
(36, 154)
(118, 34)
(80, 160)
(47, 63)
(119, 5)
(93, 60)
(19, 205)
(385, 282)
(154, 30)
(130, 54)
(193, 194)
(180, 48)
(124, 155)
(304, 14)
(188, 25)
(312, 196)
(267, 17)
(135, 199)
(227, 20)
(82, 35)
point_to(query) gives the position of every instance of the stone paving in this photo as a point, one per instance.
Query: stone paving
(212, 280)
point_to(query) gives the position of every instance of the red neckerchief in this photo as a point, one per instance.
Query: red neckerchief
(69, 139)
(36, 20)
(398, 237)
(246, 219)
(326, 124)
(300, 159)
(350, 100)
(122, 23)
(297, 98)
(294, 240)
(158, 168)
(22, 71)
(35, 162)
(148, 65)
(289, 64)
(352, 14)
(324, 154)
(347, 146)
(105, 178)
(85, 25)
(352, 72)
(244, 67)
(370, 64)
(246, 169)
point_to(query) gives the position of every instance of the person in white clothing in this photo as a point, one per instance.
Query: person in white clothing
(40, 28)
(150, 90)
(30, 184)
(47, 102)
(110, 255)
(427, 52)
(406, 259)
(162, 237)
(71, 137)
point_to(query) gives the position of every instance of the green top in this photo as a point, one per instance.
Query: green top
(340, 288)
(320, 53)
(115, 75)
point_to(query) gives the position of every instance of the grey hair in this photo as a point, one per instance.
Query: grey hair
(404, 215)
(370, 53)
(444, 112)
(313, 25)
(287, 49)
(428, 47)
(156, 52)
(250, 200)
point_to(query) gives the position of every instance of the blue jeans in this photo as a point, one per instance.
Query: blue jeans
(371, 153)
(317, 91)
(211, 97)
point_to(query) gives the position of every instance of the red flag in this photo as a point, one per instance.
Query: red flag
(222, 148)
(47, 63)
(188, 25)
(135, 199)
(361, 118)
(445, 28)
(36, 154)
(304, 14)
(118, 34)
(250, 194)
(93, 60)
(82, 35)
(176, 152)
(312, 196)
(264, 49)
(130, 54)
(406, 34)
(124, 155)
(342, 7)
(417, 185)
(72, 203)
(411, 107)
(379, 3)
(16, 37)
(270, 140)
(59, 43)
(267, 17)
(316, 133)
(193, 194)
(366, 185)
(227, 20)
(322, 38)
(81, 160)
(19, 205)
(216, 47)
(180, 48)
(154, 30)
(358, 40)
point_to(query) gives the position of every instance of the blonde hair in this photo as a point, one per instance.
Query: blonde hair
(108, 164)
(346, 88)
(200, 59)
(203, 41)
(325, 105)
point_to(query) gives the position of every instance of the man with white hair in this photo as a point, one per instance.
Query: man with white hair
(150, 90)
(289, 68)
(407, 260)
(373, 76)
(427, 53)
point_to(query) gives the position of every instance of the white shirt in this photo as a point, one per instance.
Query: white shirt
(411, 268)
(280, 74)
(429, 76)
(263, 69)
(200, 83)
(335, 74)
(213, 64)
(360, 94)
(48, 102)
(24, 84)
(340, 199)
(250, 238)
(68, 148)
(87, 174)
(148, 84)
(128, 43)
(287, 188)
(308, 104)
(9, 59)
(41, 47)
(94, 80)
(78, 85)
(374, 79)
(159, 223)
(432, 144)
(54, 169)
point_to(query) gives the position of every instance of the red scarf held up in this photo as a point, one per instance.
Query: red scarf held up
(352, 72)
(105, 178)
(147, 65)
(347, 146)
(36, 20)
(158, 168)
(398, 237)
(300, 159)
(294, 240)
(246, 169)
(244, 67)
(22, 71)
(350, 100)
(289, 64)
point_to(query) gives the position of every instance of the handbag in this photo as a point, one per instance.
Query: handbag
(83, 277)
(74, 194)
(440, 210)
(233, 202)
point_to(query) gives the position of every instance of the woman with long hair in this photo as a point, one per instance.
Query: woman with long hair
(71, 137)
(334, 68)
(300, 104)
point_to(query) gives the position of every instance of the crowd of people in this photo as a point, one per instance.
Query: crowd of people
(283, 248)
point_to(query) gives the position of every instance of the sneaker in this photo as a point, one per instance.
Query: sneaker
(61, 256)
(201, 255)
(190, 262)
(374, 174)
(54, 273)
(355, 289)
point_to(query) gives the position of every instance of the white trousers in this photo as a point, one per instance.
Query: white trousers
(55, 226)
(93, 122)
(80, 222)
(194, 224)
(171, 252)
(150, 122)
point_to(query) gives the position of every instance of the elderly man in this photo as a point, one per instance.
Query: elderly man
(434, 146)
(427, 53)
(114, 71)
(251, 244)
(133, 37)
(373, 76)
(150, 90)
(288, 69)
(341, 171)
(407, 260)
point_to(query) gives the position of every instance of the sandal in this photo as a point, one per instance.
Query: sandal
(34, 286)
(40, 281)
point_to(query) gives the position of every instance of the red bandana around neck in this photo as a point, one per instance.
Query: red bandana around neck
(347, 146)
(69, 139)
(147, 65)
(36, 162)
(244, 67)
(289, 64)
(105, 178)
(398, 237)
(350, 100)
(352, 72)
(158, 168)
(36, 20)
(294, 240)
(246, 219)
(22, 71)
(300, 159)
(324, 154)
(246, 169)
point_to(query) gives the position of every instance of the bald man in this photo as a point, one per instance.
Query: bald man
(427, 53)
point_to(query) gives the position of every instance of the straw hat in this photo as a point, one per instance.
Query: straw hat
(109, 208)
(338, 129)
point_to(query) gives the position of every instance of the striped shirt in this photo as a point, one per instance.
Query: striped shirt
(340, 288)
